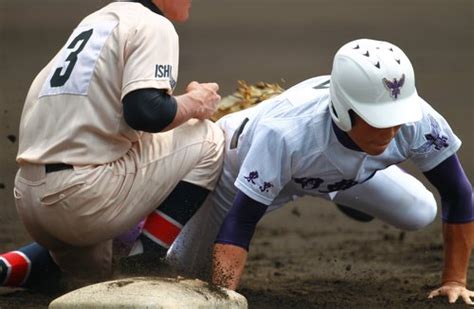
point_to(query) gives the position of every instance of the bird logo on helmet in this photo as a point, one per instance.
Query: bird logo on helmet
(375, 80)
(394, 87)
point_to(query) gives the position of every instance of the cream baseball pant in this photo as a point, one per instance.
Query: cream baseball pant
(76, 213)
(392, 196)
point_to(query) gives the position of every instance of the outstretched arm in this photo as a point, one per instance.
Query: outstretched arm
(458, 228)
(232, 243)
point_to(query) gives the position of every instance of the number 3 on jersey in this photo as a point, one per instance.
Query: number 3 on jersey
(59, 79)
(75, 63)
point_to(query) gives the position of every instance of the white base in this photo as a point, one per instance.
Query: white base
(153, 292)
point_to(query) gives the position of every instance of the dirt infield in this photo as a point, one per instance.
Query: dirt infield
(306, 255)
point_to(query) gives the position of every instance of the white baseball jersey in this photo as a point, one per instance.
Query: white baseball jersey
(73, 111)
(289, 148)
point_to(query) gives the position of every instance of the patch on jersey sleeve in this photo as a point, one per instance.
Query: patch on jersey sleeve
(253, 176)
(433, 139)
(165, 72)
(266, 186)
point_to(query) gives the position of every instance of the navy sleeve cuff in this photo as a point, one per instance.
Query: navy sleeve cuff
(239, 225)
(457, 204)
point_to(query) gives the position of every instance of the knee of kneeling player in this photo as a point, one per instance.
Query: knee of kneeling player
(423, 212)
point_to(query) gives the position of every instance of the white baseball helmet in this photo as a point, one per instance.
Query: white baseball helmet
(376, 80)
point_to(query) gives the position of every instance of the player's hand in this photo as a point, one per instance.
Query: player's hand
(206, 98)
(453, 291)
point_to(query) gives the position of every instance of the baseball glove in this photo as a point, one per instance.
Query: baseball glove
(246, 96)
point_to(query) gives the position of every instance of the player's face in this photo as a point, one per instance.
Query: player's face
(371, 140)
(176, 10)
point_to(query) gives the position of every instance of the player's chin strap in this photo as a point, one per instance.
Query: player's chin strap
(150, 5)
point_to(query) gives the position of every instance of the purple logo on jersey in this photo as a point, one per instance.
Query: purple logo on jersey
(434, 138)
(266, 186)
(394, 86)
(251, 177)
(439, 142)
(309, 183)
(172, 82)
(340, 185)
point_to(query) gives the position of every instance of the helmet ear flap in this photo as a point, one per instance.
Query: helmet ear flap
(342, 120)
(339, 112)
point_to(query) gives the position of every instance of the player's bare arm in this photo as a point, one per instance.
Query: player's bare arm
(458, 240)
(199, 101)
(228, 265)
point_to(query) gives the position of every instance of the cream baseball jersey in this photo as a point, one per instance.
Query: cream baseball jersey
(288, 148)
(73, 110)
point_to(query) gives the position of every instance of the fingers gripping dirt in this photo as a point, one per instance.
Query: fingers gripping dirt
(454, 292)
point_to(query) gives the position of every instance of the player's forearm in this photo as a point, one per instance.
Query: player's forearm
(458, 242)
(186, 109)
(199, 101)
(228, 265)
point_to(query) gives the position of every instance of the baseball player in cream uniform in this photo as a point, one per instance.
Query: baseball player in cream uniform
(103, 141)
